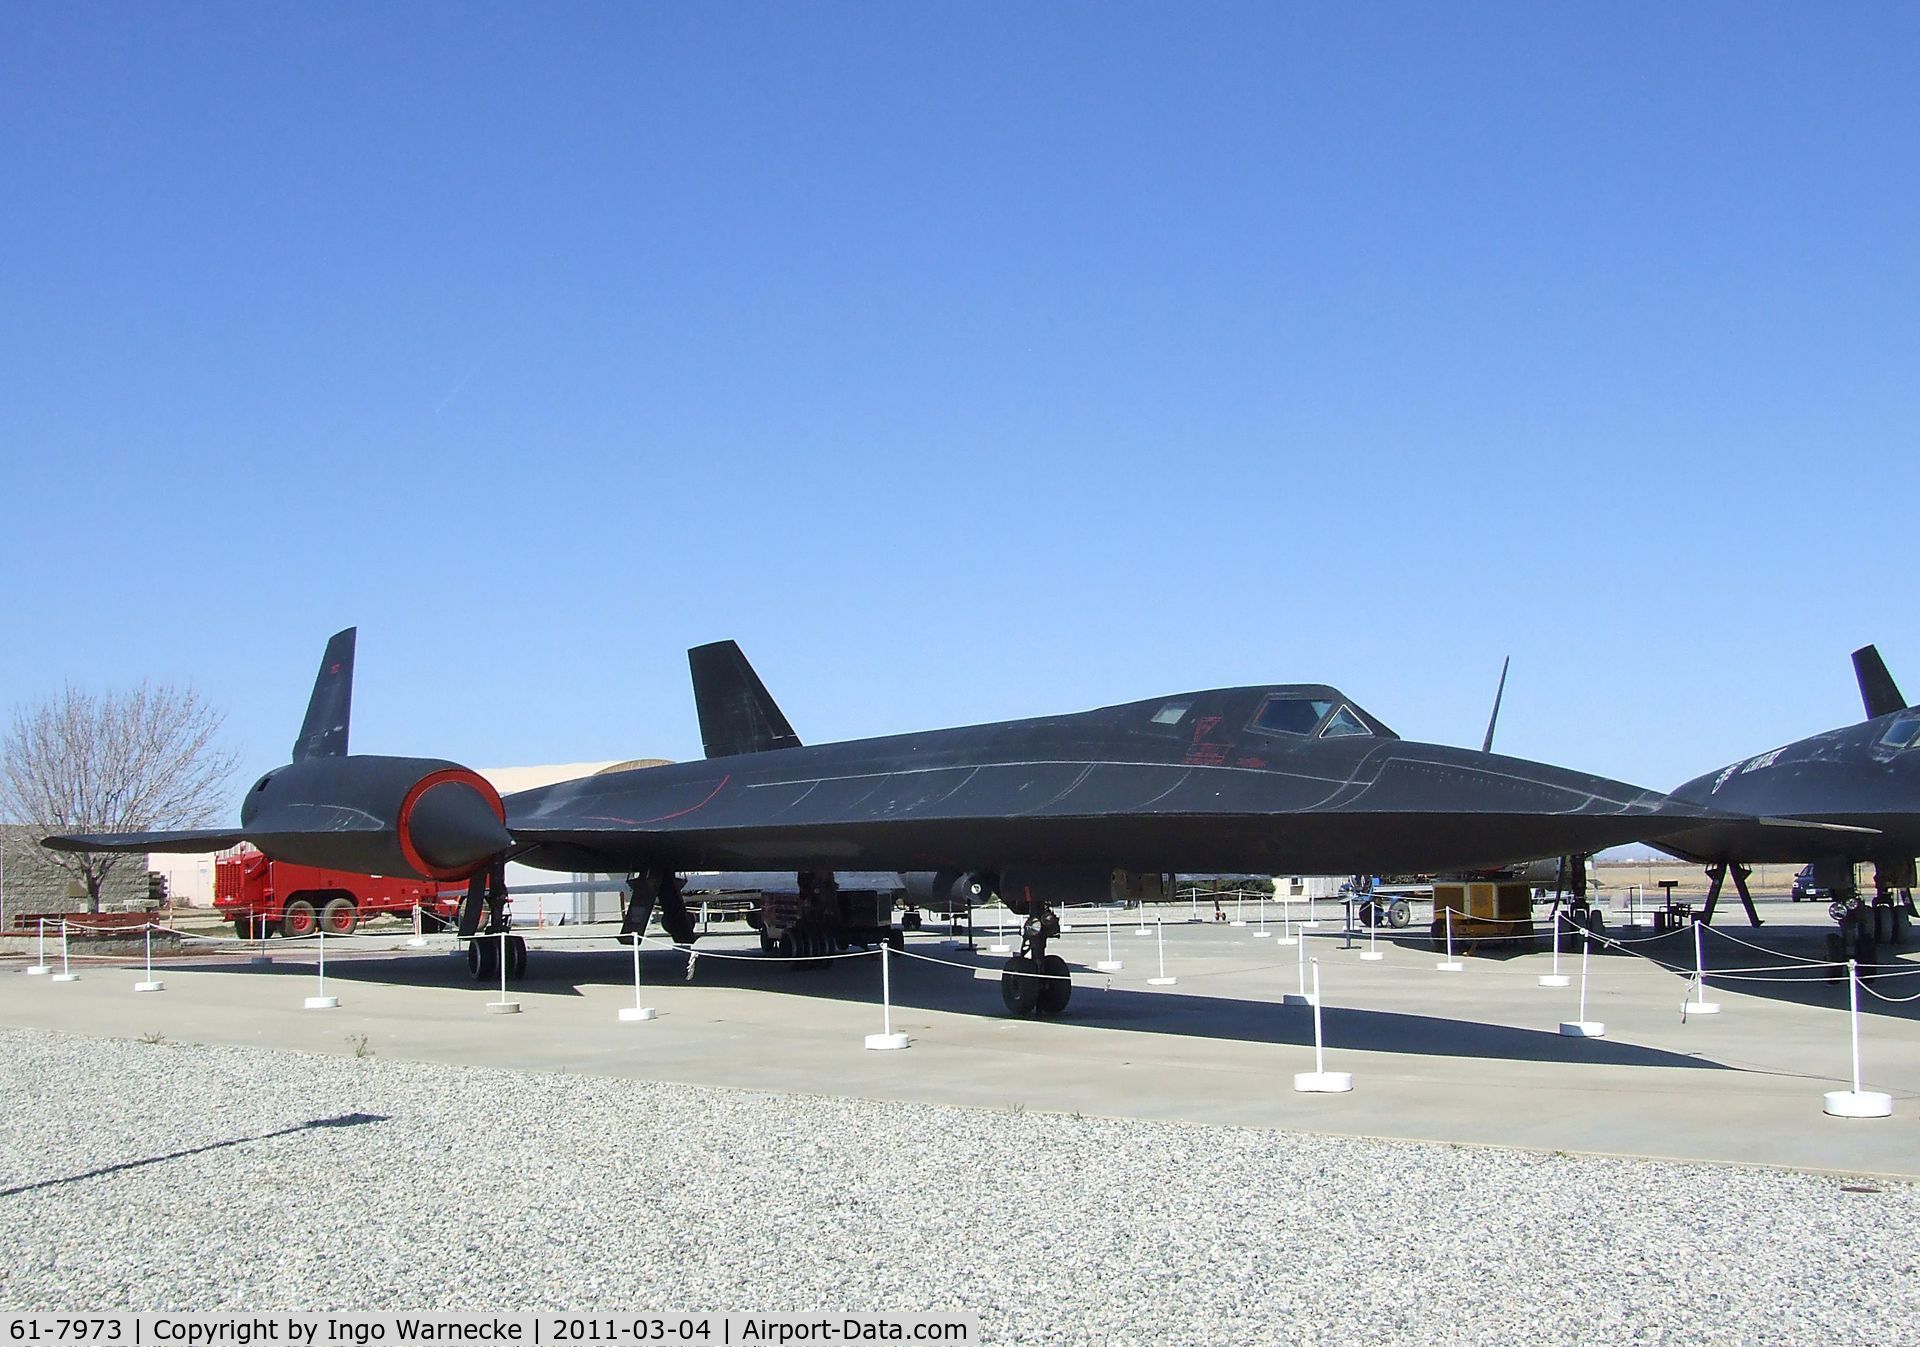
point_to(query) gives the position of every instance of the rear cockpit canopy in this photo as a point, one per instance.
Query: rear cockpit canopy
(1318, 713)
(1306, 711)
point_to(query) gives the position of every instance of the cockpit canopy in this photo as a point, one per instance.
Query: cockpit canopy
(1304, 710)
(1320, 717)
(1903, 733)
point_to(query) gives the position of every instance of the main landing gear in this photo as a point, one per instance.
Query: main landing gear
(1867, 928)
(1034, 981)
(487, 900)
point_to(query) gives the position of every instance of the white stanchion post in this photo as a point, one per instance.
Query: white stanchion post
(261, 958)
(150, 984)
(1372, 952)
(1260, 904)
(1449, 964)
(1193, 895)
(1583, 1027)
(419, 939)
(40, 965)
(1142, 928)
(66, 973)
(1700, 1005)
(1000, 945)
(503, 1006)
(887, 1040)
(1239, 908)
(1160, 936)
(1110, 964)
(1288, 936)
(1320, 1080)
(1312, 923)
(1856, 1103)
(320, 1000)
(1302, 997)
(639, 1010)
(1556, 978)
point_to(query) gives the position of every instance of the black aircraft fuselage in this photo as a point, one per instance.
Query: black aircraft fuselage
(1287, 779)
(1864, 776)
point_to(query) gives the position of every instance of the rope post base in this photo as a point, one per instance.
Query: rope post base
(150, 985)
(505, 1008)
(1555, 980)
(1162, 982)
(1857, 1104)
(1583, 1029)
(635, 1014)
(39, 969)
(64, 977)
(322, 1002)
(1322, 1082)
(886, 1042)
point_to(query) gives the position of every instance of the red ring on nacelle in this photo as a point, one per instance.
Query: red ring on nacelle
(404, 822)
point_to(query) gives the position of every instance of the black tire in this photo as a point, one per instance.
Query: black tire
(340, 917)
(1439, 936)
(516, 957)
(1902, 928)
(432, 922)
(896, 940)
(1055, 989)
(243, 927)
(1399, 914)
(483, 958)
(910, 921)
(1882, 925)
(1836, 956)
(766, 941)
(298, 919)
(1018, 987)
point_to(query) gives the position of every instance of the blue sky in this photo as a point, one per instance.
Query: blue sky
(964, 362)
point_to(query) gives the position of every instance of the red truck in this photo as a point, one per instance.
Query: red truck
(262, 897)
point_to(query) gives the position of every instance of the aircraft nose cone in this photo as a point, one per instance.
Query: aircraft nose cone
(452, 826)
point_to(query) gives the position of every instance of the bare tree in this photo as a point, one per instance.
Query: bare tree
(123, 762)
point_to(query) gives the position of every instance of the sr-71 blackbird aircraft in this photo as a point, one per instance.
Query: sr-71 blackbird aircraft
(1835, 800)
(1295, 778)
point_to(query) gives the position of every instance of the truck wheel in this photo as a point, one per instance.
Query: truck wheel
(340, 917)
(516, 957)
(298, 919)
(1399, 913)
(1883, 925)
(243, 928)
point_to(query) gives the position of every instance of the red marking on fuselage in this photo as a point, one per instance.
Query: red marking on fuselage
(678, 813)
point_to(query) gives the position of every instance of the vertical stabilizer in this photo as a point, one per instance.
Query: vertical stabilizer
(324, 732)
(736, 713)
(1877, 692)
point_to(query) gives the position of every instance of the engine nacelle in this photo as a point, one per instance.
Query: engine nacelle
(948, 890)
(369, 815)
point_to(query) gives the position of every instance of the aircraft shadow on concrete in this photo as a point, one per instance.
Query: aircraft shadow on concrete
(919, 985)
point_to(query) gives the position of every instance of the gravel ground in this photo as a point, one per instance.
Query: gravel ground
(167, 1176)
